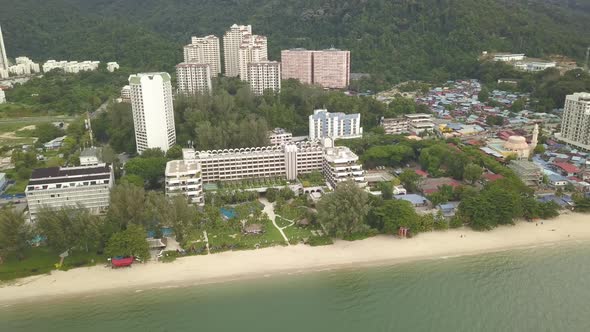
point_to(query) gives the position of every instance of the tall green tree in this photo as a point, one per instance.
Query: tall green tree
(68, 228)
(130, 242)
(15, 233)
(343, 212)
(472, 173)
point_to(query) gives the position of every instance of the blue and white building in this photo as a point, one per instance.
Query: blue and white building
(323, 124)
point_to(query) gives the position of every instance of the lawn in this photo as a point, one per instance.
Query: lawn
(41, 260)
(227, 239)
(9, 128)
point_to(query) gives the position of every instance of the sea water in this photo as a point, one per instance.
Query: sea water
(544, 288)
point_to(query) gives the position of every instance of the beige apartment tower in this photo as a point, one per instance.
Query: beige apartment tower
(253, 49)
(193, 78)
(232, 40)
(328, 68)
(204, 50)
(264, 75)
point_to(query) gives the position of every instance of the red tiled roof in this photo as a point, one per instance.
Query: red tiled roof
(492, 177)
(421, 172)
(567, 167)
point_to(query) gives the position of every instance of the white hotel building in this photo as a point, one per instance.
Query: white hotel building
(323, 124)
(286, 161)
(56, 187)
(575, 123)
(184, 178)
(153, 112)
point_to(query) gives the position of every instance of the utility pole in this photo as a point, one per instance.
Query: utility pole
(587, 56)
(89, 127)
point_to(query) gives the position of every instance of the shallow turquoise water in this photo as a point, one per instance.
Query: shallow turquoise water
(536, 289)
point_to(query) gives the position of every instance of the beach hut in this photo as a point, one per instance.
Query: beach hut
(254, 229)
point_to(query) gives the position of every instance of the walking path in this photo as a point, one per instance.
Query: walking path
(270, 211)
(207, 242)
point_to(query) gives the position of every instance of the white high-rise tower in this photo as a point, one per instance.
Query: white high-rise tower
(232, 40)
(204, 50)
(153, 112)
(253, 49)
(3, 57)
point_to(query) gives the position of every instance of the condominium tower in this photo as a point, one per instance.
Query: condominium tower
(153, 112)
(253, 49)
(328, 68)
(232, 40)
(323, 124)
(193, 78)
(204, 50)
(3, 57)
(331, 68)
(297, 64)
(264, 75)
(575, 124)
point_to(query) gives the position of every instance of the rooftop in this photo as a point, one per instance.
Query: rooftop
(181, 166)
(57, 172)
(567, 167)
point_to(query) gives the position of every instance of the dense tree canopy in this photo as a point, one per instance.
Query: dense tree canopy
(392, 40)
(343, 212)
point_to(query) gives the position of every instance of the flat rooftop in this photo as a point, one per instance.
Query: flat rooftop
(180, 166)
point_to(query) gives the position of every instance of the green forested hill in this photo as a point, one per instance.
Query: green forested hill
(391, 39)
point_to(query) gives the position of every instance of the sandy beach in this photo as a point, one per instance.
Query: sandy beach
(568, 227)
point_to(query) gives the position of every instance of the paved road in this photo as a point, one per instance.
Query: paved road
(102, 108)
(270, 211)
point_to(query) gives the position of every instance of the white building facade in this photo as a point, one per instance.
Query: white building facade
(153, 112)
(286, 161)
(264, 75)
(323, 124)
(232, 40)
(204, 50)
(3, 57)
(508, 57)
(341, 164)
(2, 97)
(253, 49)
(193, 78)
(279, 136)
(184, 178)
(57, 187)
(71, 66)
(112, 66)
(575, 123)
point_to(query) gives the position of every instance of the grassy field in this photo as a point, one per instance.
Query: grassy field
(223, 240)
(41, 260)
(9, 128)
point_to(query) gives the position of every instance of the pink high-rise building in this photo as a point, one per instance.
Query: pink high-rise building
(331, 68)
(328, 68)
(297, 64)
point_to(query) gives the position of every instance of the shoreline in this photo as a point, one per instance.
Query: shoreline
(382, 250)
